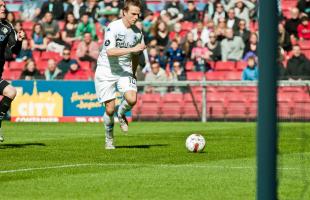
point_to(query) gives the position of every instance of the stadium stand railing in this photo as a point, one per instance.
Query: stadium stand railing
(220, 100)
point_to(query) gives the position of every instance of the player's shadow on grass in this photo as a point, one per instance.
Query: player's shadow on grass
(141, 146)
(13, 146)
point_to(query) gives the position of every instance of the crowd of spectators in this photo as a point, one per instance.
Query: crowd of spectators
(224, 30)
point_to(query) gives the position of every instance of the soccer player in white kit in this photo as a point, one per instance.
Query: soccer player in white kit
(116, 67)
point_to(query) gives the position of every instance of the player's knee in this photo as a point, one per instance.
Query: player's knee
(132, 101)
(9, 91)
(109, 110)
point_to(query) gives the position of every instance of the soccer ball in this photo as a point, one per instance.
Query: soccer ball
(195, 143)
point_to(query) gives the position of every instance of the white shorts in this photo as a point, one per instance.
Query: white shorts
(105, 89)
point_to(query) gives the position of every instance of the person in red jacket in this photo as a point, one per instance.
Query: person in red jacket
(303, 29)
(75, 73)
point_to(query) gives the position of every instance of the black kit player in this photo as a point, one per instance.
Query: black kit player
(8, 39)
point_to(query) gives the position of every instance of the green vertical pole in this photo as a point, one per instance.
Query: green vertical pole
(267, 111)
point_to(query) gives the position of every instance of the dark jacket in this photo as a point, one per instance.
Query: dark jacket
(57, 9)
(296, 67)
(32, 75)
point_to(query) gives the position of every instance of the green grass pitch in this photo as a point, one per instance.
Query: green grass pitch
(68, 161)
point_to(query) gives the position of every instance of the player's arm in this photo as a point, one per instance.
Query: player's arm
(15, 41)
(123, 51)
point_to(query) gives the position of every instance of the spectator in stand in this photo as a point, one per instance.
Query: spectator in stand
(161, 34)
(174, 9)
(243, 32)
(162, 58)
(30, 72)
(284, 38)
(30, 9)
(68, 6)
(66, 61)
(38, 41)
(250, 73)
(232, 47)
(78, 7)
(53, 6)
(91, 10)
(177, 33)
(304, 7)
(68, 34)
(200, 55)
(18, 26)
(303, 29)
(50, 27)
(175, 53)
(85, 26)
(219, 13)
(214, 47)
(199, 51)
(201, 32)
(148, 22)
(157, 74)
(251, 47)
(74, 72)
(221, 29)
(188, 44)
(25, 52)
(153, 55)
(88, 50)
(209, 9)
(52, 72)
(281, 67)
(242, 9)
(297, 65)
(10, 17)
(177, 74)
(191, 14)
(292, 24)
(232, 20)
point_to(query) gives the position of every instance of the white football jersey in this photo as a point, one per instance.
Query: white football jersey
(117, 35)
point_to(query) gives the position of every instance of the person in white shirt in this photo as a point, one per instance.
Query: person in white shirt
(116, 66)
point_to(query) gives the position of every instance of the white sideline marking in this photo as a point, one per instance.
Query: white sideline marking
(142, 165)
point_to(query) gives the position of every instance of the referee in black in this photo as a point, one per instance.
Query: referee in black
(8, 39)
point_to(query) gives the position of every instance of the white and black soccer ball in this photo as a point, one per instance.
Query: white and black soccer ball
(195, 143)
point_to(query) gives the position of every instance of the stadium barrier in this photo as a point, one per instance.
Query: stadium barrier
(221, 100)
(76, 101)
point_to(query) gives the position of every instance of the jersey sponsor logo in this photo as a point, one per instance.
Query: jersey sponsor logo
(2, 37)
(107, 43)
(4, 30)
(121, 43)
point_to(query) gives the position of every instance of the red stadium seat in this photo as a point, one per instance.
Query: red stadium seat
(11, 74)
(233, 76)
(302, 107)
(61, 25)
(215, 75)
(191, 107)
(225, 66)
(85, 65)
(150, 106)
(171, 106)
(49, 54)
(36, 55)
(215, 106)
(17, 65)
(248, 91)
(304, 44)
(251, 108)
(189, 66)
(235, 107)
(194, 76)
(41, 65)
(28, 25)
(240, 65)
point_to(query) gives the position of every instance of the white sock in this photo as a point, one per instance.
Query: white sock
(109, 125)
(123, 107)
